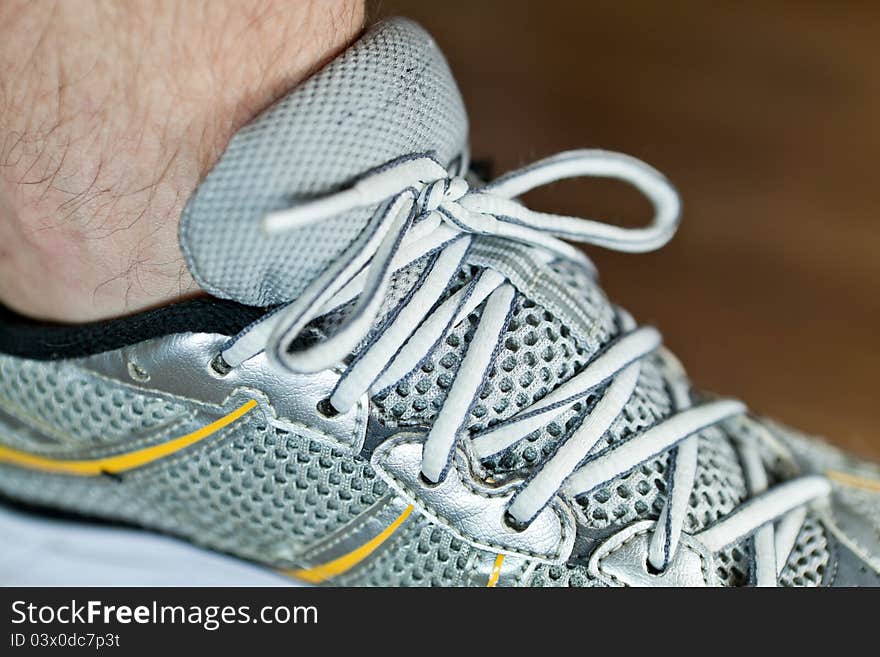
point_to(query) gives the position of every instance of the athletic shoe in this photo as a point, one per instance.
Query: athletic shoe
(402, 376)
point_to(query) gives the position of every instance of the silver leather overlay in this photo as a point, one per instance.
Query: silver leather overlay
(513, 568)
(33, 439)
(854, 532)
(622, 560)
(179, 365)
(472, 511)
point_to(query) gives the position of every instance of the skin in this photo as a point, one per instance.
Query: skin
(111, 112)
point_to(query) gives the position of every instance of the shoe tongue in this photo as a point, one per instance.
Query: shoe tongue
(391, 93)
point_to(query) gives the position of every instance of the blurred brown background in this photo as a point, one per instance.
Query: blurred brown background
(766, 116)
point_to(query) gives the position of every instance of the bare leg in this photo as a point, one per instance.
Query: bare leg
(110, 114)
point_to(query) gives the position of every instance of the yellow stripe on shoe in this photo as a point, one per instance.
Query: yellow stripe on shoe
(121, 462)
(322, 573)
(495, 573)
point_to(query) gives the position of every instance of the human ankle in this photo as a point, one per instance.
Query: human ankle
(102, 140)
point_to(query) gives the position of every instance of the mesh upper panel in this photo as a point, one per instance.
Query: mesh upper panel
(389, 94)
(809, 558)
(262, 494)
(562, 576)
(641, 492)
(719, 486)
(538, 354)
(635, 495)
(280, 485)
(416, 400)
(75, 407)
(732, 564)
(591, 297)
(423, 555)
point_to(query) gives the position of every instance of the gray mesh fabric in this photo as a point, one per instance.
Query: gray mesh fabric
(809, 558)
(76, 408)
(538, 354)
(732, 569)
(423, 555)
(566, 575)
(719, 486)
(389, 94)
(866, 503)
(732, 565)
(262, 493)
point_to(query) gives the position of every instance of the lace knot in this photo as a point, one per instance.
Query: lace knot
(439, 192)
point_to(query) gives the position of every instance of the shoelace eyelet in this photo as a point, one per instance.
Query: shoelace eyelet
(427, 483)
(513, 524)
(219, 366)
(137, 373)
(326, 409)
(652, 570)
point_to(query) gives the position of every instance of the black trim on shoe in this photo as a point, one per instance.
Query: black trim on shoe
(29, 338)
(47, 512)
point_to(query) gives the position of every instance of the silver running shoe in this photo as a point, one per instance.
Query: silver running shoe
(403, 376)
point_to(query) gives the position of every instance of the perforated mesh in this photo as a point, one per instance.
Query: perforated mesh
(732, 565)
(809, 558)
(281, 486)
(732, 570)
(637, 494)
(262, 494)
(417, 399)
(538, 354)
(423, 555)
(562, 576)
(388, 95)
(719, 486)
(540, 444)
(641, 492)
(76, 407)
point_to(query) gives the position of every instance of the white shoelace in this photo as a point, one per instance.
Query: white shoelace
(425, 210)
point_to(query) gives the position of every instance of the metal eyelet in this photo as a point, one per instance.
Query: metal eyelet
(219, 366)
(652, 570)
(513, 524)
(136, 372)
(427, 483)
(326, 409)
